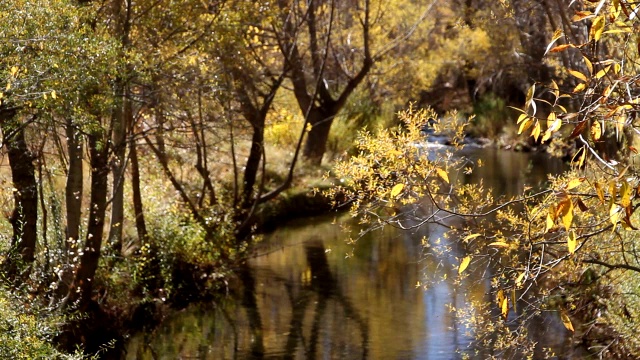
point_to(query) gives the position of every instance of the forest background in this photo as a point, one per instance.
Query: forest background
(145, 144)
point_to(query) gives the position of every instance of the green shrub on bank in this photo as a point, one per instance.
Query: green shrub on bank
(27, 332)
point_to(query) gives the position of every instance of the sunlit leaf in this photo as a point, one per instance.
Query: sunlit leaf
(566, 321)
(579, 157)
(581, 15)
(596, 28)
(625, 194)
(396, 190)
(572, 242)
(499, 244)
(603, 72)
(566, 213)
(574, 183)
(521, 118)
(464, 264)
(549, 223)
(530, 94)
(536, 131)
(443, 175)
(596, 131)
(599, 192)
(556, 90)
(524, 125)
(470, 237)
(614, 214)
(562, 47)
(579, 88)
(578, 74)
(504, 307)
(54, 95)
(587, 62)
(556, 35)
(520, 279)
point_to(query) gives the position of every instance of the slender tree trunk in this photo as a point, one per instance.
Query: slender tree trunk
(86, 271)
(118, 170)
(25, 194)
(73, 189)
(141, 226)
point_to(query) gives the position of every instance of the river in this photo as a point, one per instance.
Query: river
(308, 294)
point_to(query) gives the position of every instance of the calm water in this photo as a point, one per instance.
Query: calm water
(304, 298)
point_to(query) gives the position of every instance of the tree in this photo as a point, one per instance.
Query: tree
(571, 241)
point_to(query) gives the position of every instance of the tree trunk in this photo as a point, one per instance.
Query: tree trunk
(316, 143)
(85, 274)
(73, 189)
(253, 164)
(120, 124)
(25, 194)
(138, 210)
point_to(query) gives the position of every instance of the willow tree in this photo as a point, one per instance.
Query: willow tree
(570, 248)
(38, 75)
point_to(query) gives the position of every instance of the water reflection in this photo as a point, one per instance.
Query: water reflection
(303, 298)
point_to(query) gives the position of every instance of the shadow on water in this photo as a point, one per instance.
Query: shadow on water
(301, 297)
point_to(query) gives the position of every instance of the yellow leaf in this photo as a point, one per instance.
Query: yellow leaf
(572, 242)
(536, 131)
(596, 28)
(599, 192)
(581, 15)
(499, 244)
(396, 190)
(556, 123)
(614, 214)
(566, 321)
(587, 62)
(54, 95)
(574, 183)
(578, 74)
(443, 175)
(499, 297)
(521, 279)
(524, 126)
(504, 307)
(14, 70)
(547, 135)
(556, 90)
(556, 35)
(560, 48)
(550, 223)
(8, 86)
(603, 72)
(625, 194)
(551, 119)
(596, 131)
(579, 87)
(470, 237)
(521, 118)
(566, 213)
(513, 300)
(530, 94)
(464, 264)
(579, 157)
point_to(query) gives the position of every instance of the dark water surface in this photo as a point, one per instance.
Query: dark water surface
(310, 295)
